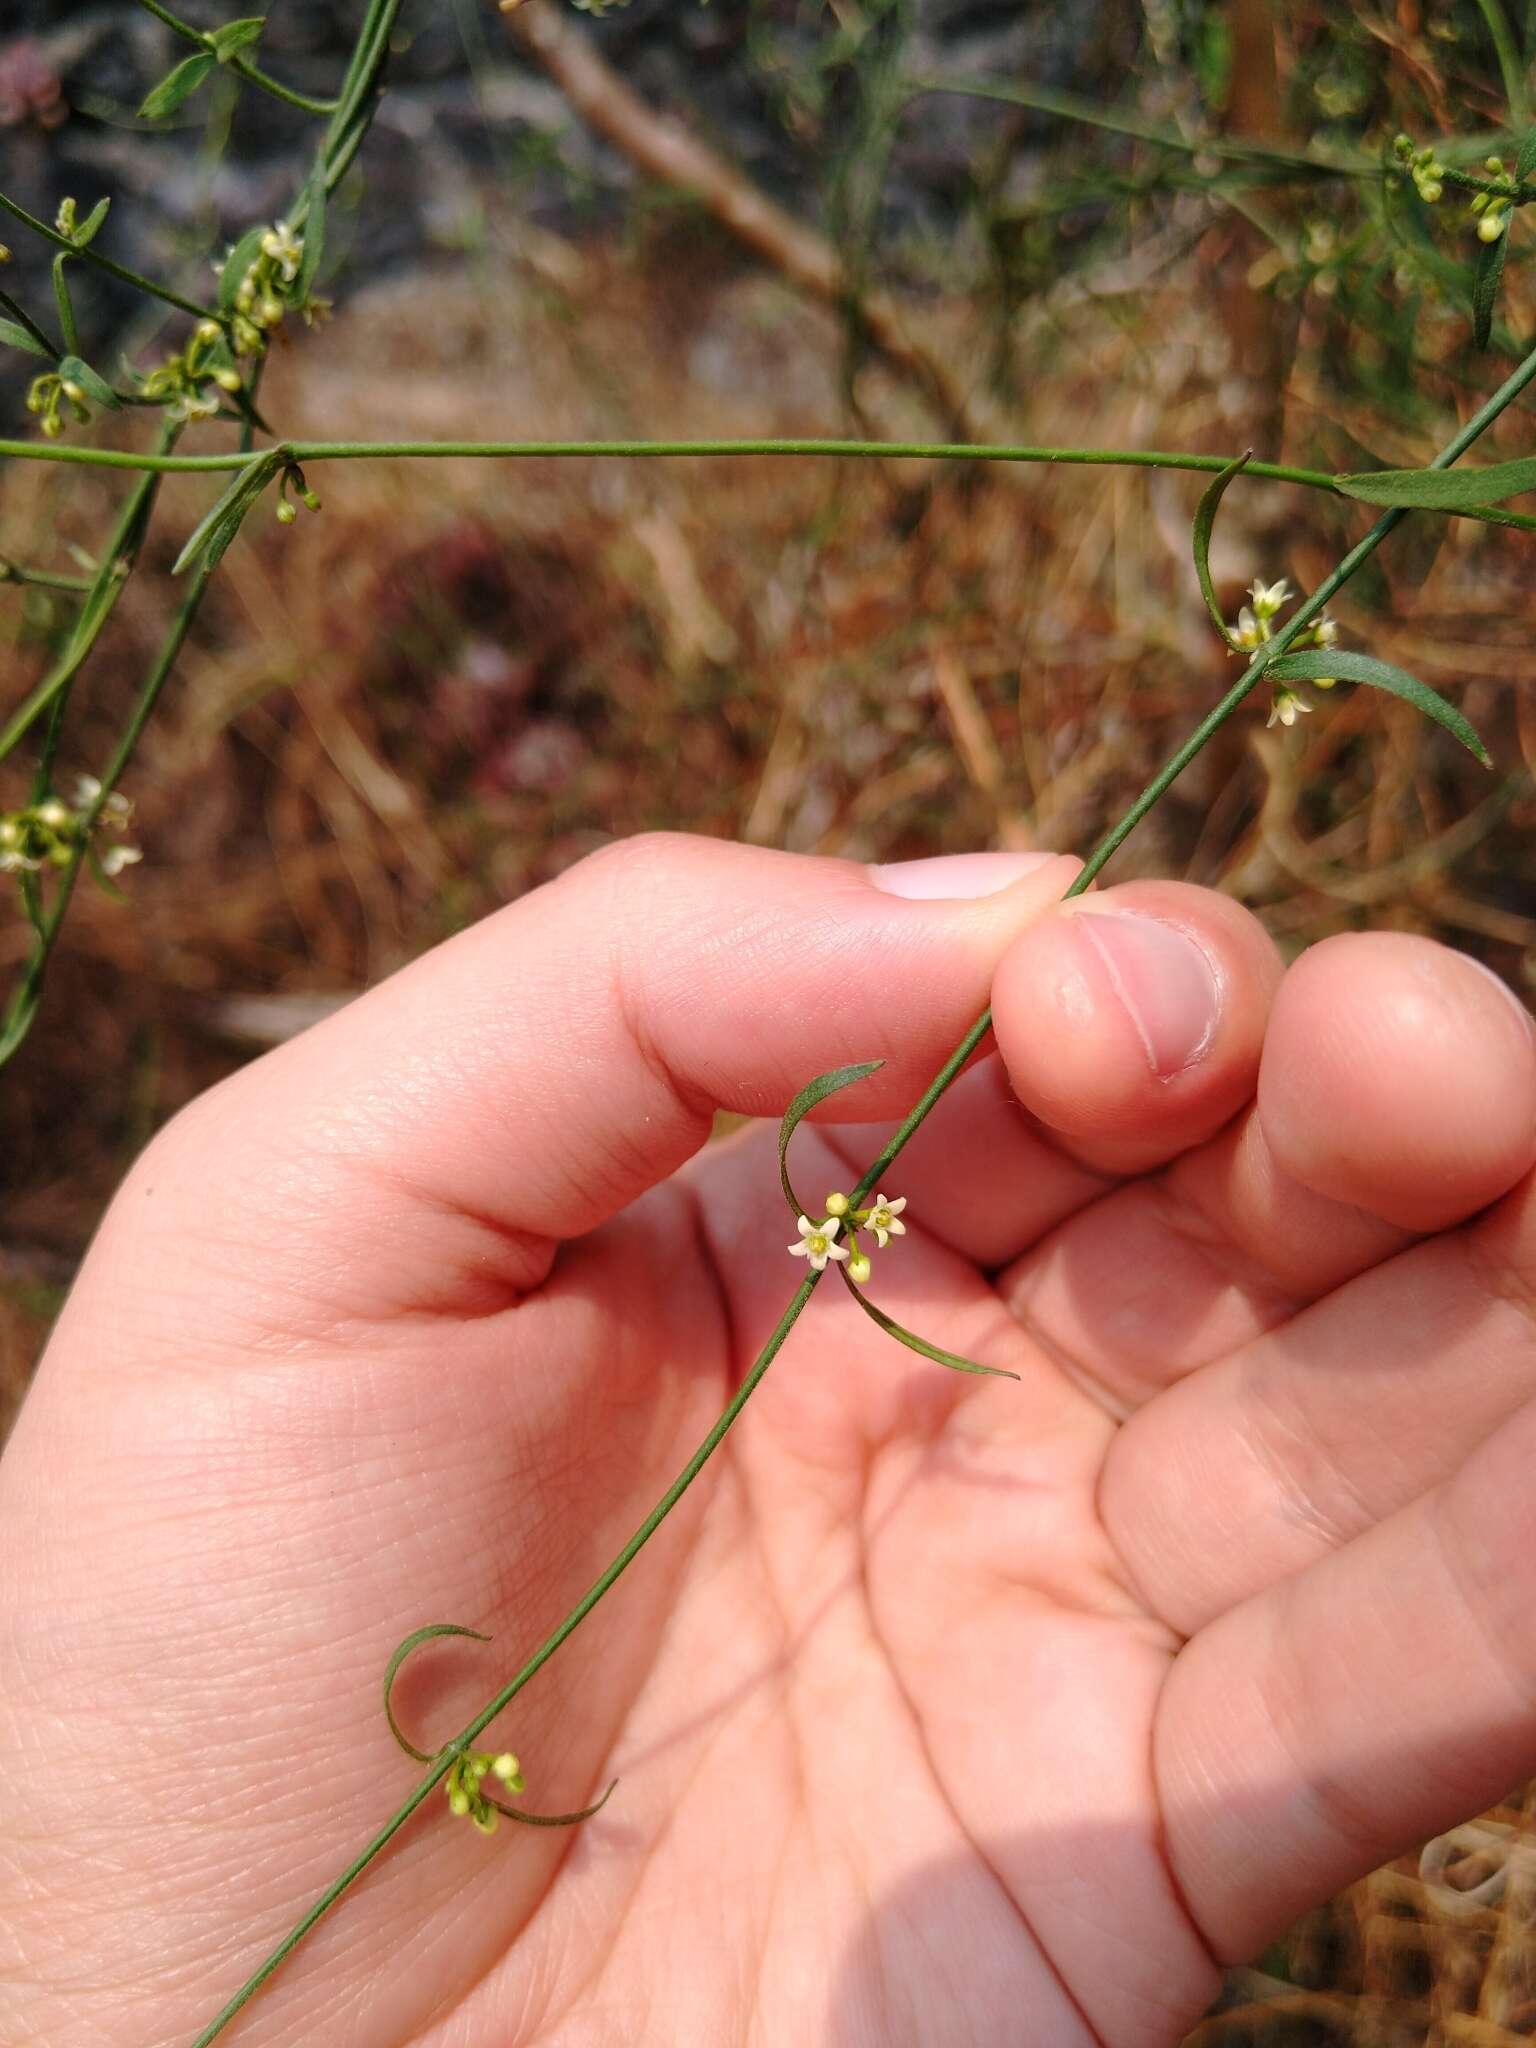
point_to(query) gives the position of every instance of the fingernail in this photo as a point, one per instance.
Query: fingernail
(1165, 982)
(951, 877)
(1504, 990)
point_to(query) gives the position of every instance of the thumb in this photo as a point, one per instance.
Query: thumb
(535, 1074)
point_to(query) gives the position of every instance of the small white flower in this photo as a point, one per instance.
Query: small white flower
(885, 1219)
(816, 1243)
(1246, 632)
(284, 248)
(116, 858)
(1287, 708)
(1269, 597)
(1326, 631)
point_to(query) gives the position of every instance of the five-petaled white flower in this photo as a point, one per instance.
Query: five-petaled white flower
(885, 1219)
(816, 1242)
(1287, 708)
(1269, 597)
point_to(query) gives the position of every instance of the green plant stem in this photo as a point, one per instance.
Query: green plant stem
(92, 255)
(1209, 725)
(21, 1009)
(24, 319)
(241, 65)
(1040, 99)
(44, 579)
(101, 595)
(1511, 69)
(578, 1614)
(837, 450)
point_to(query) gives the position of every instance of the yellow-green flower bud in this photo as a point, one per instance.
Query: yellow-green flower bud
(836, 1204)
(859, 1269)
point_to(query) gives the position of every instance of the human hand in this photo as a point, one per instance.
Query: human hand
(943, 1708)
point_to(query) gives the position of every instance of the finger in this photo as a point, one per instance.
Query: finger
(1129, 1026)
(534, 1075)
(1248, 1472)
(1386, 1693)
(1397, 1093)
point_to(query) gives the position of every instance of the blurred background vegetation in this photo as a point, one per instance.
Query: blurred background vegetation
(1143, 223)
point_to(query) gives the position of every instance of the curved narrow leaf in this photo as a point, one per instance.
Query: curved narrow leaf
(14, 335)
(1205, 520)
(1381, 675)
(235, 36)
(90, 227)
(1525, 163)
(1441, 490)
(549, 1820)
(177, 86)
(236, 264)
(211, 537)
(63, 301)
(413, 1641)
(813, 1092)
(1487, 276)
(920, 1344)
(313, 229)
(73, 371)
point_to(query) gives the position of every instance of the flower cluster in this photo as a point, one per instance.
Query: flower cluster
(51, 833)
(181, 383)
(1491, 210)
(266, 290)
(817, 1242)
(1255, 625)
(48, 396)
(465, 1781)
(1423, 166)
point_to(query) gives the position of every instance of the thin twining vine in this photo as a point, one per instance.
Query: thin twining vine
(1275, 657)
(215, 376)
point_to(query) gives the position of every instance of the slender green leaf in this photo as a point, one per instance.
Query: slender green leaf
(13, 335)
(211, 537)
(63, 301)
(1381, 675)
(177, 86)
(73, 371)
(90, 227)
(1525, 163)
(920, 1344)
(236, 264)
(549, 1820)
(413, 1641)
(1487, 276)
(1205, 520)
(1441, 490)
(235, 36)
(314, 231)
(812, 1093)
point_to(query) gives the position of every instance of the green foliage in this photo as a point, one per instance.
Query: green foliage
(14, 335)
(1335, 663)
(810, 1095)
(1441, 490)
(227, 42)
(920, 1344)
(177, 87)
(96, 388)
(1205, 521)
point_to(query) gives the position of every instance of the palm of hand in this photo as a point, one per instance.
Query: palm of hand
(905, 1749)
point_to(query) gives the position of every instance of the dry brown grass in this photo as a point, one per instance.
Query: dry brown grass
(462, 677)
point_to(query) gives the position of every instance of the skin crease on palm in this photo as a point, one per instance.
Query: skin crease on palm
(944, 1709)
